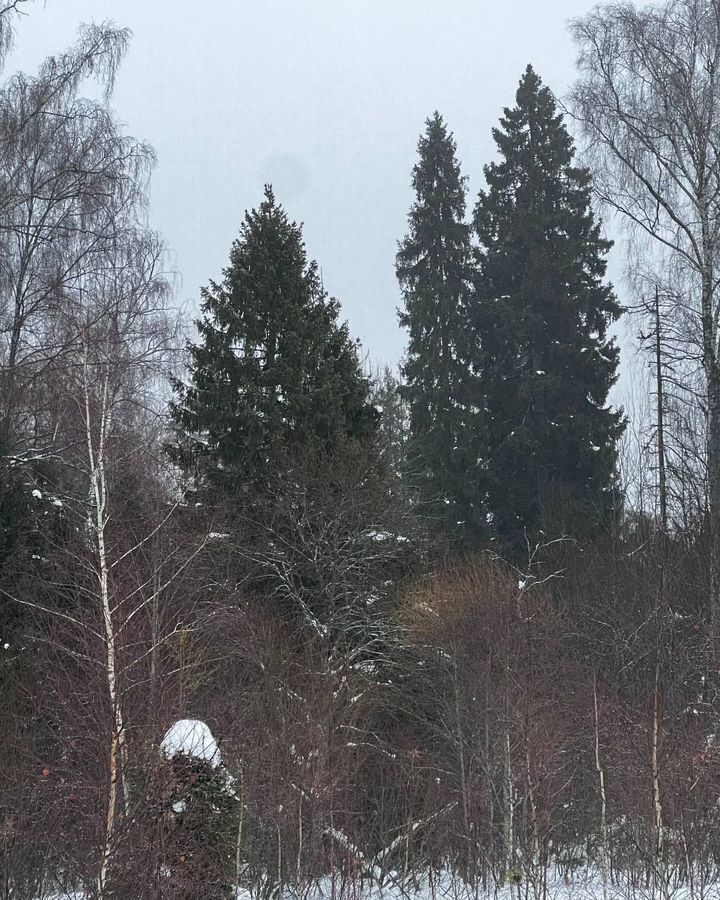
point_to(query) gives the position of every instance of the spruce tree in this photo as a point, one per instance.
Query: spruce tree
(541, 317)
(393, 424)
(275, 379)
(434, 271)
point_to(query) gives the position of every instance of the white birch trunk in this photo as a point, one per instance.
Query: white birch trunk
(605, 856)
(97, 522)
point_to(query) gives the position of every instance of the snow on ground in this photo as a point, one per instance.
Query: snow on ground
(586, 885)
(191, 737)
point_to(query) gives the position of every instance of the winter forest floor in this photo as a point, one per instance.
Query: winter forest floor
(585, 884)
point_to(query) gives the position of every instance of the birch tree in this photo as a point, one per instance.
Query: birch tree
(85, 330)
(98, 611)
(10, 12)
(648, 101)
(88, 334)
(67, 176)
(120, 343)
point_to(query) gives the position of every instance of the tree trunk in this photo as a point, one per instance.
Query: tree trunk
(658, 872)
(463, 772)
(98, 526)
(657, 829)
(509, 809)
(605, 852)
(713, 464)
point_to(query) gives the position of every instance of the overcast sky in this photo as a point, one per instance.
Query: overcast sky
(325, 99)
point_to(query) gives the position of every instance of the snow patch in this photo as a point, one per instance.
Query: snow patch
(191, 737)
(388, 536)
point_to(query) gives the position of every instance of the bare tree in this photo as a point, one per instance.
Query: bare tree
(649, 104)
(10, 12)
(68, 176)
(91, 338)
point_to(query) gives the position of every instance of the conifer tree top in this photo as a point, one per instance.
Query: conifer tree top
(274, 375)
(434, 269)
(542, 314)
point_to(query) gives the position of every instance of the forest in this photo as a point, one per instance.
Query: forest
(276, 622)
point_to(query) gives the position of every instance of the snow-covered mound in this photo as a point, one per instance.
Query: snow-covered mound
(191, 737)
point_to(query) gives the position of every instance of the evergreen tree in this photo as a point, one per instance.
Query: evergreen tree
(31, 525)
(275, 378)
(434, 270)
(199, 823)
(393, 425)
(542, 317)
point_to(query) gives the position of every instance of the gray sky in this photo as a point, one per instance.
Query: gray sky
(323, 98)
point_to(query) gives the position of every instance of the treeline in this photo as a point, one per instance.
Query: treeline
(460, 621)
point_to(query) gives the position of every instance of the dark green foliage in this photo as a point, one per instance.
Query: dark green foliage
(274, 373)
(16, 517)
(16, 513)
(394, 420)
(434, 271)
(200, 840)
(26, 521)
(542, 317)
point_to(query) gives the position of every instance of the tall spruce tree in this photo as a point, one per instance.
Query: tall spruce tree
(541, 317)
(275, 381)
(434, 269)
